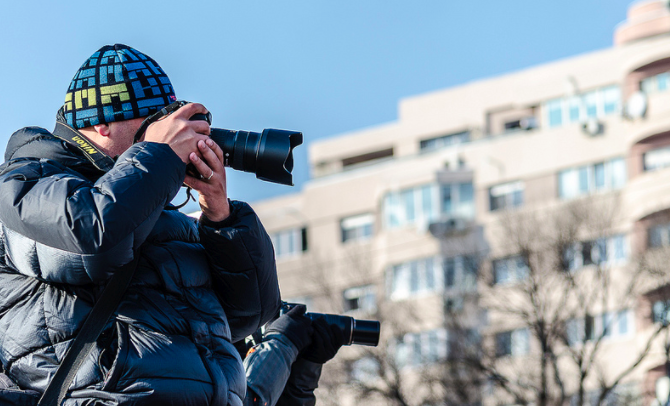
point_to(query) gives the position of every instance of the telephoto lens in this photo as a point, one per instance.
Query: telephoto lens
(268, 154)
(360, 332)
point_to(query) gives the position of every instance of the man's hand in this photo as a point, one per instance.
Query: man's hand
(294, 325)
(211, 186)
(178, 131)
(190, 141)
(326, 341)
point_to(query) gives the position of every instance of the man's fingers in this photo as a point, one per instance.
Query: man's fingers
(216, 148)
(212, 158)
(200, 127)
(194, 183)
(202, 167)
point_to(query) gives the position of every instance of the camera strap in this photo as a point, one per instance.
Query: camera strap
(86, 339)
(165, 111)
(98, 158)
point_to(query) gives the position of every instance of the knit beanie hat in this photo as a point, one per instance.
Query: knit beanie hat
(116, 83)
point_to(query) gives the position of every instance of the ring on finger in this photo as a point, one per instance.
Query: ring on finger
(210, 175)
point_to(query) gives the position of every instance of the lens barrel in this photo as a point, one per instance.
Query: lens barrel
(268, 154)
(361, 332)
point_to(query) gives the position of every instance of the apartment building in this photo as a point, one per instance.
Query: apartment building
(409, 213)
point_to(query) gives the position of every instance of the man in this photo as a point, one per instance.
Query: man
(78, 204)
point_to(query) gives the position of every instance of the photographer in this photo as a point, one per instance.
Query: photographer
(293, 349)
(79, 204)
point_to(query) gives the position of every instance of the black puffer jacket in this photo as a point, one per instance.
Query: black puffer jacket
(65, 228)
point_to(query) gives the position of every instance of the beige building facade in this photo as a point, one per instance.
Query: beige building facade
(409, 213)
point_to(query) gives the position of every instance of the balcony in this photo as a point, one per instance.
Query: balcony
(647, 193)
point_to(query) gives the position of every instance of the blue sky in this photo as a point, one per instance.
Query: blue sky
(316, 66)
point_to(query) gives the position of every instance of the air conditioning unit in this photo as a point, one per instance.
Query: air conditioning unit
(528, 123)
(593, 127)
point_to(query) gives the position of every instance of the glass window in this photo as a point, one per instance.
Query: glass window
(663, 81)
(661, 311)
(444, 141)
(408, 202)
(591, 104)
(427, 204)
(415, 277)
(659, 235)
(656, 83)
(509, 270)
(357, 228)
(421, 348)
(611, 99)
(450, 272)
(603, 251)
(419, 205)
(446, 199)
(554, 112)
(506, 195)
(601, 176)
(656, 158)
(618, 169)
(515, 343)
(622, 322)
(596, 103)
(360, 298)
(575, 109)
(461, 273)
(289, 242)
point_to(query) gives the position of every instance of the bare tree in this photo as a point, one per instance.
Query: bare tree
(567, 298)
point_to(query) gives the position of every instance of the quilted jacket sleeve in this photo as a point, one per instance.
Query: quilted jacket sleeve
(53, 216)
(243, 269)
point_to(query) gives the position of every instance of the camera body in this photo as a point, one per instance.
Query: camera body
(361, 332)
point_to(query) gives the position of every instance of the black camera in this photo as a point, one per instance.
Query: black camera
(268, 154)
(361, 332)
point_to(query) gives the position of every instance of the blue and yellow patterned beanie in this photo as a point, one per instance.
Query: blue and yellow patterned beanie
(116, 83)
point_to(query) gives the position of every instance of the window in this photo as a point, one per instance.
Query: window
(584, 180)
(597, 103)
(656, 83)
(554, 112)
(509, 270)
(444, 141)
(659, 235)
(289, 242)
(608, 325)
(360, 298)
(603, 251)
(656, 158)
(660, 312)
(514, 343)
(421, 348)
(416, 277)
(357, 228)
(460, 273)
(369, 158)
(506, 195)
(420, 205)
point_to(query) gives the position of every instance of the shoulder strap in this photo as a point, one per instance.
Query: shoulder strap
(94, 154)
(83, 344)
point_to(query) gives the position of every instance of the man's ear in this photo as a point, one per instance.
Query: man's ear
(102, 129)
